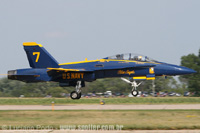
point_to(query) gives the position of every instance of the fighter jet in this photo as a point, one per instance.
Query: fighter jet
(44, 68)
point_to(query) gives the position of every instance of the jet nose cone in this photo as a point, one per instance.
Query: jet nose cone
(170, 69)
(184, 70)
(191, 71)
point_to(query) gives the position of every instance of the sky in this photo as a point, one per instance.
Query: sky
(72, 30)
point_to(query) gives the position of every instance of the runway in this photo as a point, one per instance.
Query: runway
(100, 107)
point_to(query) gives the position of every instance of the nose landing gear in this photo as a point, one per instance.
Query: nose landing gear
(134, 93)
(134, 84)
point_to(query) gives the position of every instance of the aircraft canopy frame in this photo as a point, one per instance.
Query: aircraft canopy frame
(131, 56)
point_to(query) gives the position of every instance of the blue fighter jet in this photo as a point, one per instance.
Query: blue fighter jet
(45, 68)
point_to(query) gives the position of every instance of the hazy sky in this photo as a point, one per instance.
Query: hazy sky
(72, 30)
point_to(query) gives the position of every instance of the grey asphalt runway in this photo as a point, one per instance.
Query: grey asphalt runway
(100, 107)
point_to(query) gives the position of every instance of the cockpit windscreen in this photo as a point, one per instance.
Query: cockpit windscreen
(131, 56)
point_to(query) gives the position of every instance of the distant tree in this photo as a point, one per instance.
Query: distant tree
(56, 91)
(192, 80)
(107, 84)
(10, 87)
(165, 83)
(161, 84)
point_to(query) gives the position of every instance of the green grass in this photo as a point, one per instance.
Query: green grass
(129, 119)
(140, 100)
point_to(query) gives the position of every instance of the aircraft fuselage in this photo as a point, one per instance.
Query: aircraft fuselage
(103, 68)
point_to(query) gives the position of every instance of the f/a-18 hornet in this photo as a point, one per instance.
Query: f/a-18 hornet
(137, 67)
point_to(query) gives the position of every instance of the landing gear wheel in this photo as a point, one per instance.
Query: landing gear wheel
(79, 95)
(134, 93)
(74, 95)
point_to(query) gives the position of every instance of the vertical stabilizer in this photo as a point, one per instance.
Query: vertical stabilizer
(38, 57)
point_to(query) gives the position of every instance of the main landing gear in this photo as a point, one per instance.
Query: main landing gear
(134, 84)
(77, 93)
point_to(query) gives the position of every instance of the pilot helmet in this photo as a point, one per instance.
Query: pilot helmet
(140, 58)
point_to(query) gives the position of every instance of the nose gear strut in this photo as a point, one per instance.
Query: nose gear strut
(134, 84)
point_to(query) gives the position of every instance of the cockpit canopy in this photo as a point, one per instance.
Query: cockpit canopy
(131, 56)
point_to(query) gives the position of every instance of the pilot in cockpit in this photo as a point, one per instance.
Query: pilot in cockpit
(139, 58)
(120, 57)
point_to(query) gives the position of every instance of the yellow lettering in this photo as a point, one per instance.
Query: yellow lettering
(82, 75)
(38, 56)
(64, 75)
(72, 75)
(76, 75)
(68, 75)
(126, 72)
(121, 72)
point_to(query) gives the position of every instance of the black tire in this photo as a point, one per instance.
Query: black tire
(74, 95)
(134, 93)
(79, 95)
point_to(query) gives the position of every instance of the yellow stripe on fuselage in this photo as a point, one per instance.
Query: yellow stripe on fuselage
(79, 62)
(142, 77)
(31, 44)
(151, 78)
(105, 60)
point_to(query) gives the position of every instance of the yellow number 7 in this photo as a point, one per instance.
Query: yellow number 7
(38, 55)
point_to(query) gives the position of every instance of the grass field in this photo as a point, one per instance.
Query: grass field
(129, 119)
(137, 100)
